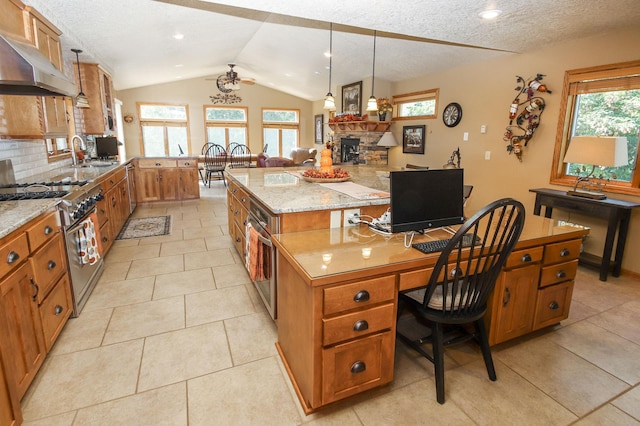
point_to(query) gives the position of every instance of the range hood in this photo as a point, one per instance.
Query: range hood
(25, 71)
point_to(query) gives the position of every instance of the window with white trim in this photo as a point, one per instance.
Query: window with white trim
(417, 105)
(280, 130)
(164, 129)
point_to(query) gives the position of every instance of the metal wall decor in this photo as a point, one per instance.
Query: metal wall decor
(524, 115)
(225, 98)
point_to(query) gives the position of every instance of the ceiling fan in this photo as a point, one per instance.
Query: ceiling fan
(230, 81)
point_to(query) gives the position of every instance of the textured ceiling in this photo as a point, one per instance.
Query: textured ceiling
(280, 44)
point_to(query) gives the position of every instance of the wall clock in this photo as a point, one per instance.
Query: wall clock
(452, 114)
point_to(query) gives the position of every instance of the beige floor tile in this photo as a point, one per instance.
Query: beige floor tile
(174, 235)
(126, 243)
(219, 220)
(608, 415)
(145, 319)
(128, 253)
(622, 320)
(85, 378)
(179, 283)
(115, 271)
(577, 384)
(629, 402)
(231, 275)
(251, 337)
(164, 406)
(208, 259)
(205, 231)
(84, 332)
(156, 266)
(611, 353)
(65, 419)
(181, 247)
(120, 293)
(579, 311)
(253, 393)
(164, 361)
(219, 242)
(216, 305)
(332, 417)
(187, 224)
(601, 295)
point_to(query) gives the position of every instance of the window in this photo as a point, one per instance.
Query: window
(600, 101)
(416, 105)
(281, 130)
(225, 125)
(165, 129)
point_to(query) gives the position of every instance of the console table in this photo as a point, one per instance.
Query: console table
(616, 212)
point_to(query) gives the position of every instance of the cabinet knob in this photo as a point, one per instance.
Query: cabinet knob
(48, 230)
(361, 296)
(12, 257)
(358, 367)
(561, 274)
(158, 164)
(105, 239)
(554, 305)
(361, 325)
(526, 258)
(564, 252)
(51, 265)
(238, 239)
(58, 310)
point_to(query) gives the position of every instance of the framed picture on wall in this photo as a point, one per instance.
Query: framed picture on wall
(318, 126)
(413, 139)
(352, 98)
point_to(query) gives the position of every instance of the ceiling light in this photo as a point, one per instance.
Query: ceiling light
(178, 36)
(372, 103)
(490, 14)
(329, 101)
(81, 100)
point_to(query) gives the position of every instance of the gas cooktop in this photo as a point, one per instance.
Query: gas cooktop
(40, 190)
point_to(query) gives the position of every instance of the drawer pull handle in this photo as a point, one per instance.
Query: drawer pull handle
(37, 289)
(526, 258)
(105, 239)
(158, 164)
(564, 252)
(48, 230)
(361, 296)
(553, 305)
(51, 265)
(455, 272)
(507, 297)
(361, 325)
(358, 367)
(561, 274)
(243, 199)
(12, 257)
(58, 310)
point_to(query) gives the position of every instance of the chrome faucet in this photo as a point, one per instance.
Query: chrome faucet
(74, 158)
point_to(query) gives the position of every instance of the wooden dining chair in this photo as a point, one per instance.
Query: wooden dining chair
(215, 161)
(240, 156)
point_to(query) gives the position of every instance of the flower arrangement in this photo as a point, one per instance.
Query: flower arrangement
(384, 106)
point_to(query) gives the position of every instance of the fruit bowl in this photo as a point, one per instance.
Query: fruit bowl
(334, 175)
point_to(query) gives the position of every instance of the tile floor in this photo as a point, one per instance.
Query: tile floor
(175, 334)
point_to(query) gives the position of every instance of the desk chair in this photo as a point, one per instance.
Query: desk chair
(215, 160)
(240, 156)
(459, 299)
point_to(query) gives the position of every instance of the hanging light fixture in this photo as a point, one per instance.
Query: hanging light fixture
(372, 103)
(329, 101)
(81, 99)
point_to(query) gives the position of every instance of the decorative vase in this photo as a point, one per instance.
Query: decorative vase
(326, 160)
(382, 116)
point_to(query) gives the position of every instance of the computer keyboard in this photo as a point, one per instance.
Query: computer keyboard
(439, 245)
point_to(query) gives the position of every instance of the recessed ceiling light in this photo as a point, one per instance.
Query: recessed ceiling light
(179, 65)
(178, 36)
(327, 54)
(490, 14)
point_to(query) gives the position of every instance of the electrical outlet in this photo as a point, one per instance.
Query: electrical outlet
(487, 155)
(349, 214)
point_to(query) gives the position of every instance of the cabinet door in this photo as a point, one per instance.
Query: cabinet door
(123, 214)
(514, 302)
(189, 185)
(20, 323)
(10, 414)
(169, 184)
(148, 185)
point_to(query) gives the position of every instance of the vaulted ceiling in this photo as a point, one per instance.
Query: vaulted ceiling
(281, 44)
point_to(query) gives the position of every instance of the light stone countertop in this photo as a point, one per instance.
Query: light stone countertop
(282, 192)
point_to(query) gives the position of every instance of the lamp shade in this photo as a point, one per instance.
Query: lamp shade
(329, 102)
(387, 140)
(608, 151)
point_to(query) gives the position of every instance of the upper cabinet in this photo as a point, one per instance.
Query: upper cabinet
(99, 118)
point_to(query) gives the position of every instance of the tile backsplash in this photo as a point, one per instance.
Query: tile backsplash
(29, 158)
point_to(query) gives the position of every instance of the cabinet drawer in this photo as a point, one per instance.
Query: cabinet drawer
(553, 304)
(357, 324)
(149, 163)
(524, 257)
(356, 366)
(13, 252)
(359, 294)
(43, 230)
(48, 264)
(55, 310)
(191, 163)
(562, 252)
(414, 279)
(558, 273)
(112, 179)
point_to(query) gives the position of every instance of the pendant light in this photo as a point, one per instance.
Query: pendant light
(329, 101)
(372, 103)
(81, 99)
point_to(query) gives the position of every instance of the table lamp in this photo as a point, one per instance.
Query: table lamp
(607, 151)
(387, 140)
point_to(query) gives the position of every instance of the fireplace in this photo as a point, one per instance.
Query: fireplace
(350, 150)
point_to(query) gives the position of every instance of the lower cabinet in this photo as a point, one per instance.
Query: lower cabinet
(10, 413)
(167, 180)
(113, 209)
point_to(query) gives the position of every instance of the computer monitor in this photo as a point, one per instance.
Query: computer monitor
(106, 147)
(423, 199)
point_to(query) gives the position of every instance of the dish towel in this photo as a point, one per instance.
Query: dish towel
(255, 254)
(89, 247)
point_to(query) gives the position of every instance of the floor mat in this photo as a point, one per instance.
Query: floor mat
(141, 227)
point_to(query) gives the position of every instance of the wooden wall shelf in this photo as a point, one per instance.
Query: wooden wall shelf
(360, 126)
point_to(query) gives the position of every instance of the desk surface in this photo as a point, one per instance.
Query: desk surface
(609, 202)
(310, 250)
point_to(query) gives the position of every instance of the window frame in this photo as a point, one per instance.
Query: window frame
(280, 126)
(226, 124)
(597, 76)
(424, 95)
(164, 123)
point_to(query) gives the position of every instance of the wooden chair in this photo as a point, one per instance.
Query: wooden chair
(215, 161)
(457, 292)
(240, 157)
(203, 151)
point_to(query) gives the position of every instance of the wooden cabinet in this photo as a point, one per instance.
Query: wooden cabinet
(238, 205)
(10, 413)
(113, 210)
(166, 180)
(97, 85)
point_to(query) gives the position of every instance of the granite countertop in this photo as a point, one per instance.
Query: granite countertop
(282, 190)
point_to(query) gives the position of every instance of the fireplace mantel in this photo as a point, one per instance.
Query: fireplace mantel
(360, 126)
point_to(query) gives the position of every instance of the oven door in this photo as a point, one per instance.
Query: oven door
(260, 261)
